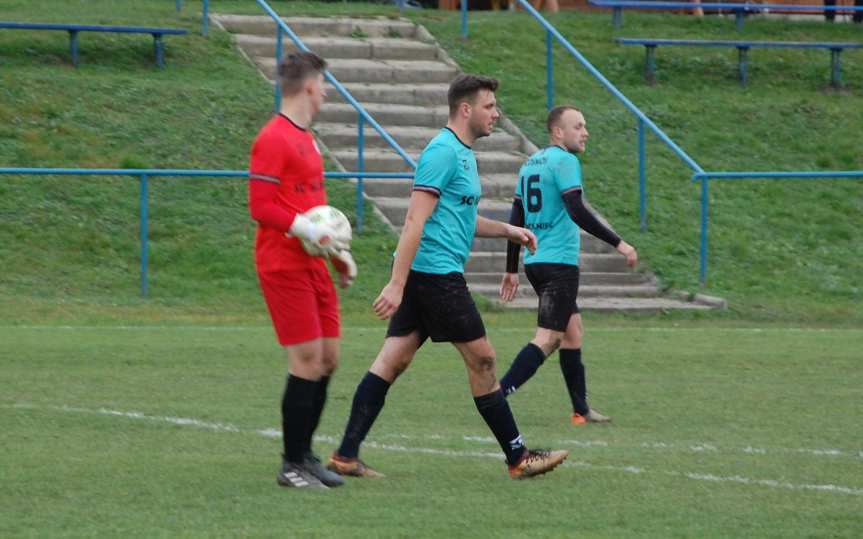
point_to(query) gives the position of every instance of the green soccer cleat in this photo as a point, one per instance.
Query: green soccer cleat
(313, 465)
(295, 475)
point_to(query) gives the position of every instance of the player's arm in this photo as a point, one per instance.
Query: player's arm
(265, 166)
(509, 284)
(489, 228)
(587, 220)
(422, 204)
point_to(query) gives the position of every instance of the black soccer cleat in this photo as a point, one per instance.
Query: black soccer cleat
(295, 475)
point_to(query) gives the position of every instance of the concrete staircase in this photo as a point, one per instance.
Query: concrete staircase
(400, 75)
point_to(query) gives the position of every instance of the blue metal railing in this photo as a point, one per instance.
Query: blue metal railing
(552, 34)
(705, 177)
(205, 8)
(144, 176)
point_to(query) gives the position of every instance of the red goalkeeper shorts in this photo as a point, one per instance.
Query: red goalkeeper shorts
(303, 304)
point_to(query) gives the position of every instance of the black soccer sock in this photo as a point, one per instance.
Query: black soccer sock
(297, 406)
(573, 373)
(525, 365)
(368, 401)
(495, 411)
(317, 410)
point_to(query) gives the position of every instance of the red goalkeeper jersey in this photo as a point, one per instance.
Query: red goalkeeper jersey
(286, 177)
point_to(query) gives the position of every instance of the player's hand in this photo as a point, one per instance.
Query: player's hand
(629, 252)
(508, 286)
(344, 263)
(388, 300)
(522, 236)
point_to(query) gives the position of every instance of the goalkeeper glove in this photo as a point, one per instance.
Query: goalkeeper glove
(318, 234)
(342, 260)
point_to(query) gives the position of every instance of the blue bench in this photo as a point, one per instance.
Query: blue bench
(743, 48)
(740, 9)
(74, 29)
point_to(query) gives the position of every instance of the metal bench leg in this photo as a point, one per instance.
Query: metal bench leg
(738, 19)
(835, 73)
(650, 64)
(742, 63)
(160, 50)
(617, 18)
(73, 46)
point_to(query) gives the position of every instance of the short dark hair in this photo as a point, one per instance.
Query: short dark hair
(555, 114)
(465, 87)
(296, 67)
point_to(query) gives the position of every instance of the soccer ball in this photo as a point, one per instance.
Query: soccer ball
(333, 218)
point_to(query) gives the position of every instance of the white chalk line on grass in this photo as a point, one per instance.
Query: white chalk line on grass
(276, 434)
(382, 327)
(661, 446)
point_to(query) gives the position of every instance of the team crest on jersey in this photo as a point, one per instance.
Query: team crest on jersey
(465, 165)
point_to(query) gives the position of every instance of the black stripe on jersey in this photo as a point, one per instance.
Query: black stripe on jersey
(570, 190)
(428, 189)
(261, 177)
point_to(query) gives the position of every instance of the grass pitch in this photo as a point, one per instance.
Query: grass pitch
(173, 430)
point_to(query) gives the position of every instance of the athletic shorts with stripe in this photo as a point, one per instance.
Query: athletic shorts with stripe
(557, 288)
(303, 304)
(437, 306)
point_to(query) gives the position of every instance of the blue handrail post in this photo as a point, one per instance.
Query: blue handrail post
(73, 46)
(279, 52)
(835, 73)
(702, 270)
(642, 177)
(179, 4)
(617, 18)
(738, 19)
(361, 167)
(144, 247)
(464, 19)
(205, 17)
(549, 71)
(401, 4)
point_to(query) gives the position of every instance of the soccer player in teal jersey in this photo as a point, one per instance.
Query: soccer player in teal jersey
(427, 295)
(549, 201)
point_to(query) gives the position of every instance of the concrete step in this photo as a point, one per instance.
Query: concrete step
(401, 188)
(339, 135)
(418, 94)
(386, 115)
(585, 278)
(584, 291)
(488, 262)
(612, 304)
(365, 70)
(333, 47)
(389, 161)
(264, 25)
(396, 207)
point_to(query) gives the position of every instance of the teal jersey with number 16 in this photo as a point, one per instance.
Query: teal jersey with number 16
(542, 181)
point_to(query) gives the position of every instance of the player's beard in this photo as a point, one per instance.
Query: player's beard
(480, 130)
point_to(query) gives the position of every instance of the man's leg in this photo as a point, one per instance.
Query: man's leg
(479, 358)
(574, 373)
(530, 358)
(394, 357)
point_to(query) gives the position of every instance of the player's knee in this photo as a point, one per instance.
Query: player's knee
(548, 345)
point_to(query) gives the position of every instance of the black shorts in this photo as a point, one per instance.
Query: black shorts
(557, 288)
(437, 306)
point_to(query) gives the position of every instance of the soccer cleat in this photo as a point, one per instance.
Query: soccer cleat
(313, 465)
(295, 475)
(592, 417)
(351, 467)
(595, 417)
(537, 463)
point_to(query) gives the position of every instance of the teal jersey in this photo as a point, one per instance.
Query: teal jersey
(447, 169)
(542, 181)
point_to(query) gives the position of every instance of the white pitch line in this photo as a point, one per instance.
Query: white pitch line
(383, 327)
(273, 433)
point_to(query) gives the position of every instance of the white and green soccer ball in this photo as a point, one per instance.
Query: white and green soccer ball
(333, 218)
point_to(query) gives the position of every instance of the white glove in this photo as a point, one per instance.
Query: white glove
(342, 260)
(319, 234)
